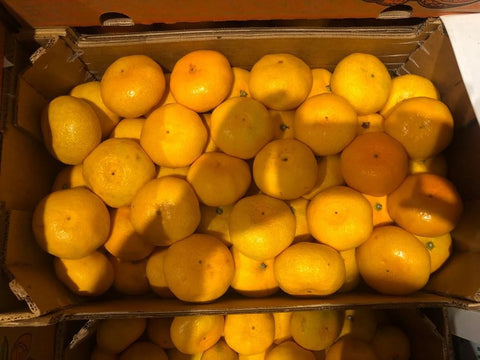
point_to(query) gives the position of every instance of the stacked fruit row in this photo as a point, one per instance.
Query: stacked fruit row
(304, 335)
(281, 177)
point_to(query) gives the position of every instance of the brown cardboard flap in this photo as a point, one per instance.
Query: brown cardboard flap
(58, 61)
(30, 104)
(38, 13)
(391, 44)
(425, 340)
(8, 302)
(232, 303)
(34, 279)
(27, 170)
(435, 60)
(459, 277)
(28, 342)
(463, 156)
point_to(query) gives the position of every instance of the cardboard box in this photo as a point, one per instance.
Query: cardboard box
(28, 342)
(37, 13)
(427, 330)
(69, 56)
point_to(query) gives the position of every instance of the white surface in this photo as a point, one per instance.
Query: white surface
(465, 324)
(464, 33)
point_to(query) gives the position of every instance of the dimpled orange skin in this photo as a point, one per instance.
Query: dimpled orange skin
(116, 169)
(363, 80)
(198, 268)
(196, 333)
(426, 205)
(253, 278)
(123, 242)
(374, 164)
(219, 179)
(340, 217)
(91, 275)
(71, 223)
(280, 81)
(309, 269)
(201, 80)
(326, 123)
(249, 334)
(393, 261)
(423, 125)
(132, 85)
(165, 210)
(241, 126)
(70, 129)
(173, 136)
(285, 169)
(261, 226)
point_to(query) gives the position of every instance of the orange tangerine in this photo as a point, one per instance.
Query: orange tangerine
(253, 278)
(241, 126)
(165, 210)
(374, 164)
(285, 169)
(156, 275)
(309, 269)
(173, 136)
(196, 333)
(198, 268)
(123, 241)
(116, 169)
(249, 334)
(240, 83)
(326, 123)
(219, 179)
(321, 82)
(424, 126)
(283, 123)
(261, 226)
(201, 80)
(340, 217)
(280, 81)
(408, 86)
(393, 261)
(426, 205)
(132, 85)
(363, 80)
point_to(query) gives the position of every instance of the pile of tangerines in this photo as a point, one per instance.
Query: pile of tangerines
(365, 334)
(280, 177)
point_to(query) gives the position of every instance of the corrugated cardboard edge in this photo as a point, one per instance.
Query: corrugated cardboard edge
(57, 59)
(151, 307)
(419, 62)
(85, 332)
(22, 294)
(419, 326)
